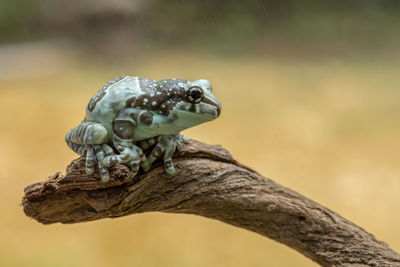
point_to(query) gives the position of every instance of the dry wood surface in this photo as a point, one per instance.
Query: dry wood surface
(209, 183)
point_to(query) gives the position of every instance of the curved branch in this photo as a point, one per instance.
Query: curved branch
(210, 183)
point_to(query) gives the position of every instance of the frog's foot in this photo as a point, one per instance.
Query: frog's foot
(132, 157)
(145, 144)
(96, 154)
(181, 141)
(166, 144)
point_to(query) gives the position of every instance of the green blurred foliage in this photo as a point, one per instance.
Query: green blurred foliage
(226, 25)
(229, 24)
(16, 18)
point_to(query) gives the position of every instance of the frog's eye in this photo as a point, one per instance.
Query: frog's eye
(194, 94)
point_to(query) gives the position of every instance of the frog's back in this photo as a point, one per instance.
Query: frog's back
(113, 97)
(127, 92)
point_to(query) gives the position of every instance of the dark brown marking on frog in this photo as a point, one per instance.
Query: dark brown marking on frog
(208, 101)
(175, 99)
(156, 152)
(134, 114)
(192, 107)
(162, 96)
(96, 99)
(123, 129)
(101, 93)
(146, 118)
(143, 101)
(182, 107)
(166, 107)
(79, 135)
(130, 102)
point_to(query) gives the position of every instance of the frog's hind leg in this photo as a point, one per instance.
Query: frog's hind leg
(79, 149)
(87, 133)
(90, 137)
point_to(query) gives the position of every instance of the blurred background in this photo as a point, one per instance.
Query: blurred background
(310, 93)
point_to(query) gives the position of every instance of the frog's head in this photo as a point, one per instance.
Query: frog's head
(198, 104)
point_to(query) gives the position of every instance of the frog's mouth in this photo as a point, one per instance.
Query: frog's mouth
(201, 109)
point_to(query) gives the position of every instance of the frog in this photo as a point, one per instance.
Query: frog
(130, 115)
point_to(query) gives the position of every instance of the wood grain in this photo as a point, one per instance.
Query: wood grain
(210, 183)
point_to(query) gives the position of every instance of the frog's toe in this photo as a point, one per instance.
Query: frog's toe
(181, 141)
(132, 157)
(108, 151)
(114, 159)
(168, 164)
(146, 166)
(134, 166)
(110, 161)
(105, 176)
(179, 145)
(145, 144)
(169, 167)
(90, 160)
(109, 156)
(166, 145)
(157, 151)
(184, 139)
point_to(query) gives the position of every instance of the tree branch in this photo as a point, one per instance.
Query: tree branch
(210, 183)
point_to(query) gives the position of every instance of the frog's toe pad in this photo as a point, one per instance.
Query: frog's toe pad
(146, 166)
(134, 166)
(170, 171)
(105, 177)
(169, 167)
(184, 139)
(109, 161)
(89, 171)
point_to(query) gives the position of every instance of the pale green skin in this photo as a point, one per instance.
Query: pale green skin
(130, 114)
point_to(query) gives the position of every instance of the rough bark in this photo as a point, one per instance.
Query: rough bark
(210, 183)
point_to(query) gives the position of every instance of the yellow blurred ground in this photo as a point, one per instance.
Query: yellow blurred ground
(329, 130)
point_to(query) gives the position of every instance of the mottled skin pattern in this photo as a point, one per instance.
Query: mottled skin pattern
(131, 114)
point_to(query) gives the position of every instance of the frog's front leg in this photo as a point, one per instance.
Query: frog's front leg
(129, 153)
(166, 144)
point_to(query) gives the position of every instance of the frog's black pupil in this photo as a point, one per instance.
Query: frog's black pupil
(195, 93)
